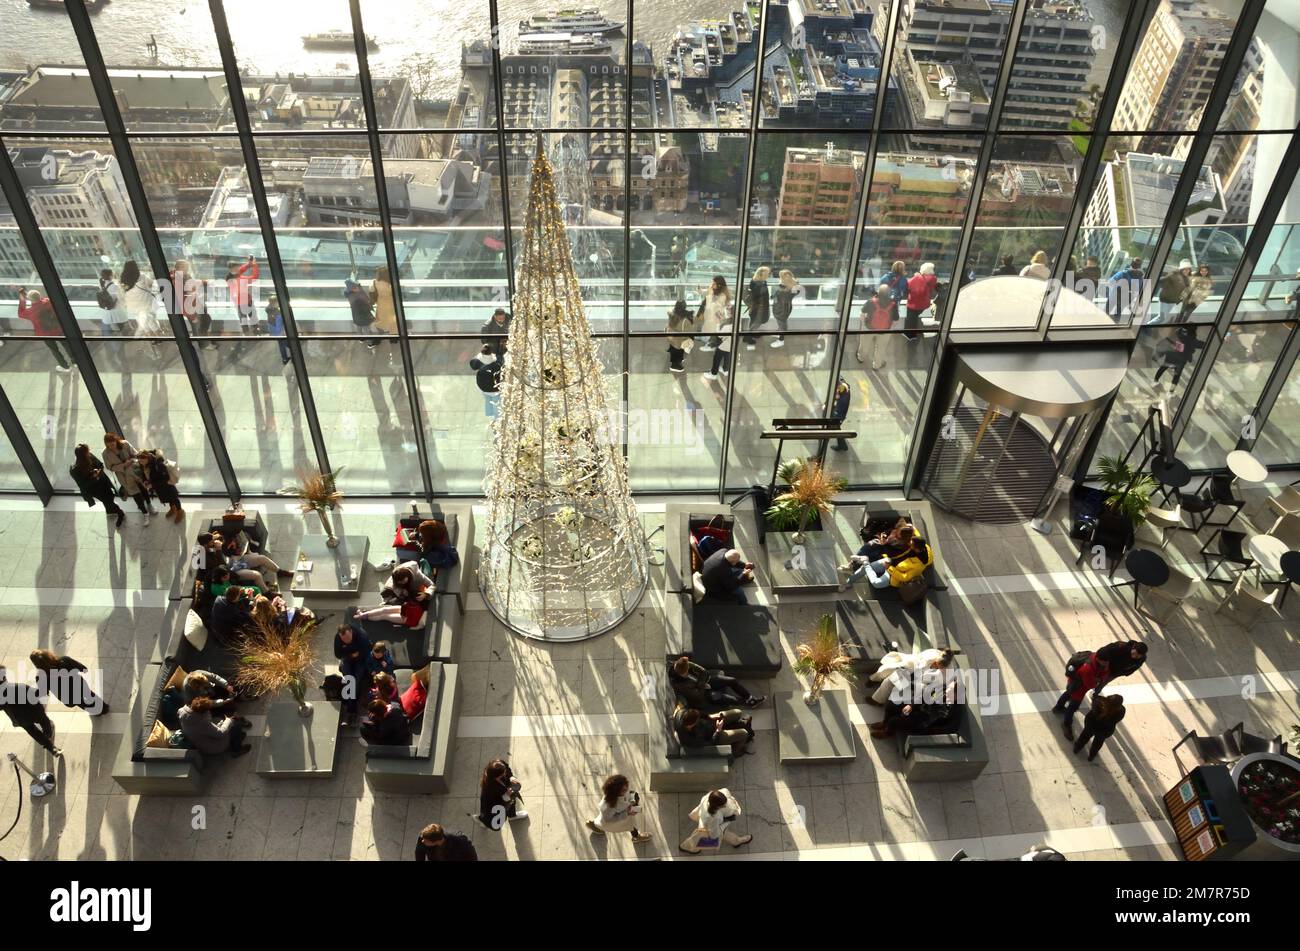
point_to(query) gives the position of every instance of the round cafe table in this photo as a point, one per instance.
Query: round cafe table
(1146, 568)
(1246, 467)
(1172, 477)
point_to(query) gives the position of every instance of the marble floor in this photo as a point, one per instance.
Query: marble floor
(565, 716)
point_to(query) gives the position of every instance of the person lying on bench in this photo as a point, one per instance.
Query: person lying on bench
(892, 570)
(896, 668)
(723, 573)
(922, 718)
(730, 727)
(435, 545)
(406, 596)
(385, 725)
(700, 688)
(244, 564)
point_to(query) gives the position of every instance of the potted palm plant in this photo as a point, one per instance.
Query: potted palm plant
(809, 496)
(821, 659)
(1128, 491)
(318, 492)
(275, 657)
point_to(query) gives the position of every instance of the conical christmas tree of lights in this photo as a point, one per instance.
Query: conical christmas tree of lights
(564, 554)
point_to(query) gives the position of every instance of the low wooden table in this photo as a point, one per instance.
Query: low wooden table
(334, 570)
(297, 747)
(817, 734)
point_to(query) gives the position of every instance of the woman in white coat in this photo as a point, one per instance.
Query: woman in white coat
(113, 318)
(715, 309)
(713, 818)
(896, 669)
(142, 305)
(619, 806)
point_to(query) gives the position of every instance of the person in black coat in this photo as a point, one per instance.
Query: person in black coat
(922, 718)
(699, 687)
(758, 301)
(65, 681)
(1100, 723)
(839, 410)
(385, 724)
(1174, 353)
(725, 728)
(723, 573)
(487, 368)
(230, 613)
(23, 704)
(436, 844)
(1124, 657)
(88, 473)
(352, 648)
(498, 796)
(493, 334)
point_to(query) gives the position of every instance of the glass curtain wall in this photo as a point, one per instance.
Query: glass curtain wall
(806, 153)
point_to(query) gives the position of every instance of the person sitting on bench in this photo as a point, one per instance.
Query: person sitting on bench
(893, 570)
(385, 725)
(893, 542)
(897, 668)
(730, 727)
(246, 565)
(701, 688)
(406, 596)
(209, 736)
(921, 717)
(384, 687)
(204, 683)
(435, 545)
(723, 573)
(230, 613)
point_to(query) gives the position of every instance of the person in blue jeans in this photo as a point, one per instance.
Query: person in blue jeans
(352, 648)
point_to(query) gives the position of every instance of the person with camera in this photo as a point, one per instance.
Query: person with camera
(619, 807)
(713, 817)
(498, 799)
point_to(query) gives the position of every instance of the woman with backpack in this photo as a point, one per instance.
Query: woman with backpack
(161, 477)
(878, 315)
(1085, 672)
(113, 321)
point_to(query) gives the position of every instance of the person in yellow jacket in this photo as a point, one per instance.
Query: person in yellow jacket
(896, 570)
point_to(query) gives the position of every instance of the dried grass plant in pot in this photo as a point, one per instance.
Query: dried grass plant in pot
(822, 660)
(318, 492)
(275, 657)
(812, 492)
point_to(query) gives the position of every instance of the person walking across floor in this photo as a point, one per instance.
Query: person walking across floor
(921, 288)
(1200, 286)
(192, 301)
(142, 306)
(1084, 674)
(839, 411)
(113, 321)
(788, 290)
(122, 460)
(240, 282)
(680, 324)
(499, 796)
(162, 477)
(22, 703)
(35, 308)
(758, 304)
(65, 679)
(275, 324)
(88, 473)
(1175, 352)
(487, 369)
(362, 311)
(1123, 658)
(722, 355)
(713, 816)
(1099, 723)
(381, 295)
(1173, 290)
(896, 281)
(436, 844)
(496, 332)
(1124, 289)
(715, 309)
(619, 807)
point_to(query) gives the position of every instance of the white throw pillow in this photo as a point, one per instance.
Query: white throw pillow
(195, 632)
(697, 587)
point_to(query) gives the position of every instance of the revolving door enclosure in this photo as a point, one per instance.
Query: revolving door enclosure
(1014, 422)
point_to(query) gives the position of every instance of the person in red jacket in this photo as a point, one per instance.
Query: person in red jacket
(35, 308)
(1087, 678)
(239, 282)
(920, 295)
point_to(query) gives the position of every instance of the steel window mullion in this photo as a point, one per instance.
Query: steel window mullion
(744, 247)
(627, 234)
(996, 104)
(1255, 244)
(270, 245)
(859, 233)
(48, 272)
(116, 128)
(390, 248)
(1242, 37)
(503, 164)
(1129, 43)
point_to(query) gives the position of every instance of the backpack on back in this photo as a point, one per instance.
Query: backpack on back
(104, 298)
(1077, 660)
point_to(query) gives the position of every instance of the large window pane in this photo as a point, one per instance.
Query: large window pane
(52, 92)
(52, 404)
(886, 374)
(704, 52)
(675, 419)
